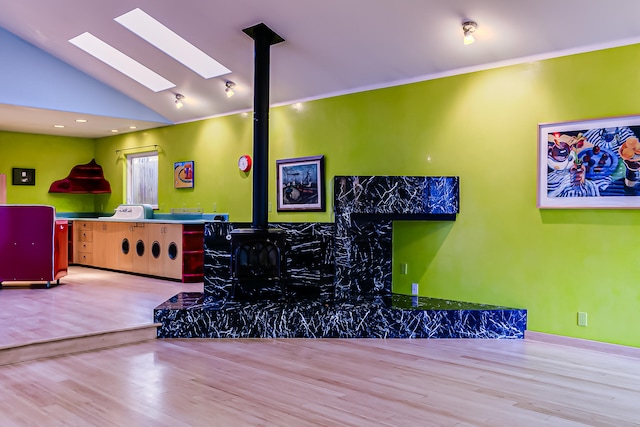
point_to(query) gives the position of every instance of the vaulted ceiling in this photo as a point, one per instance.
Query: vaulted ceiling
(331, 47)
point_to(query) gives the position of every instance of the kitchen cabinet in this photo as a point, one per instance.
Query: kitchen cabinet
(171, 250)
(192, 253)
(126, 246)
(131, 247)
(165, 259)
(141, 248)
(105, 245)
(83, 242)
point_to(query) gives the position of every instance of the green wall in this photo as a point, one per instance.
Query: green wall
(480, 126)
(53, 158)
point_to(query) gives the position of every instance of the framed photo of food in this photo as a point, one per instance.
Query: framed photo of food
(183, 174)
(589, 164)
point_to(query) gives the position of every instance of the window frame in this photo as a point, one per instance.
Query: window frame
(129, 170)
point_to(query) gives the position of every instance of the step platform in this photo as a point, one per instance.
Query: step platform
(194, 315)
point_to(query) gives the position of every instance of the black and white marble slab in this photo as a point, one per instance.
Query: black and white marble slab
(365, 207)
(339, 282)
(417, 195)
(191, 315)
(310, 261)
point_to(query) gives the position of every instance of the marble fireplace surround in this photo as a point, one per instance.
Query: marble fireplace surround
(339, 276)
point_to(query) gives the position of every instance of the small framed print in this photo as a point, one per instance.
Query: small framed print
(301, 184)
(22, 176)
(183, 174)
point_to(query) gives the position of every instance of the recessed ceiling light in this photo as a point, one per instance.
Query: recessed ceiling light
(114, 130)
(58, 126)
(133, 127)
(121, 62)
(172, 44)
(81, 120)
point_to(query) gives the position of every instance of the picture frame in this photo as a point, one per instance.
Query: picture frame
(23, 176)
(183, 174)
(300, 184)
(589, 164)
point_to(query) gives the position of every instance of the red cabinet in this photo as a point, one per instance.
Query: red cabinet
(33, 244)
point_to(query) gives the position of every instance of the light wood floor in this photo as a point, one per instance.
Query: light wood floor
(86, 301)
(302, 382)
(298, 382)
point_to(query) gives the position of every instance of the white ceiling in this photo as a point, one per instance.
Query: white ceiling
(332, 46)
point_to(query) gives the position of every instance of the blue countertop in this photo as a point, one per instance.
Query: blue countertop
(157, 218)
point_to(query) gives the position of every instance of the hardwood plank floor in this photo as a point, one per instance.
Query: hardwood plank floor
(340, 382)
(289, 382)
(86, 301)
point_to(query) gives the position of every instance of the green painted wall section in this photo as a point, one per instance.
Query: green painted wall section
(502, 249)
(480, 126)
(53, 158)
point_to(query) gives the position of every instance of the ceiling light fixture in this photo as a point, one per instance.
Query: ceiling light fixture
(179, 99)
(468, 28)
(81, 120)
(121, 62)
(154, 32)
(229, 88)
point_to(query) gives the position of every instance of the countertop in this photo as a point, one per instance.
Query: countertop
(160, 219)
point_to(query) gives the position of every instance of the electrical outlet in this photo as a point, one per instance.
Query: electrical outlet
(414, 289)
(404, 268)
(270, 206)
(582, 318)
(215, 207)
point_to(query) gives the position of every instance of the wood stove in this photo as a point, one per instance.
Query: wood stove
(258, 256)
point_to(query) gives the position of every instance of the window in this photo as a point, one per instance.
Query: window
(142, 178)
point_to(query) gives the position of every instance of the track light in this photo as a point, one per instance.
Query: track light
(179, 99)
(468, 28)
(229, 88)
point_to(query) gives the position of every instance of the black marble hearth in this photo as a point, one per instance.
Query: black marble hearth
(338, 276)
(191, 315)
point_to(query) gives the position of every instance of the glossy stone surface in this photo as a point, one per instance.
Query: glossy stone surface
(365, 207)
(339, 282)
(191, 315)
(310, 260)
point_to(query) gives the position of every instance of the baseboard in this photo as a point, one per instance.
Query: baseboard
(622, 350)
(76, 344)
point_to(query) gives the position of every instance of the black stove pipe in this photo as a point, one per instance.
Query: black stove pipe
(264, 37)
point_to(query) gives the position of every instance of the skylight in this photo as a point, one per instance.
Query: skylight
(121, 62)
(172, 44)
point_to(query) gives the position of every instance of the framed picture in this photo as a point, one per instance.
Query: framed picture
(183, 173)
(300, 184)
(589, 164)
(22, 176)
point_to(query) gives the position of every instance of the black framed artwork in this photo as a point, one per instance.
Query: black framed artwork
(22, 176)
(301, 184)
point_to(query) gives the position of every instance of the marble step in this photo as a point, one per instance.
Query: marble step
(76, 344)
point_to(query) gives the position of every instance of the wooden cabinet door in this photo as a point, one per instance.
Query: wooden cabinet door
(141, 248)
(105, 244)
(172, 254)
(156, 243)
(165, 256)
(126, 246)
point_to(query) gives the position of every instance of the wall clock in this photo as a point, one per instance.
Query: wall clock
(244, 163)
